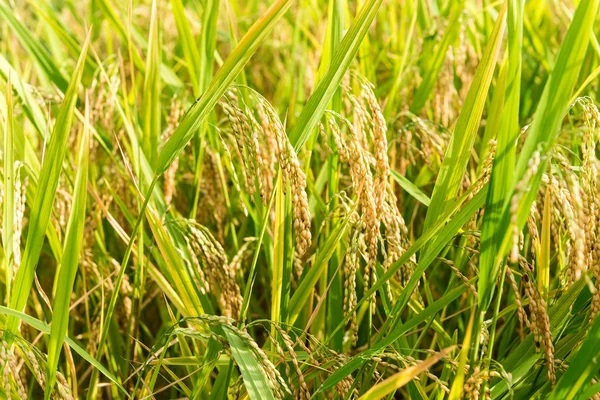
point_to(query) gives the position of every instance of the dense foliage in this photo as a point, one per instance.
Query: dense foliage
(300, 199)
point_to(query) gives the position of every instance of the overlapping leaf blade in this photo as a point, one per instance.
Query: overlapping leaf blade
(70, 262)
(46, 191)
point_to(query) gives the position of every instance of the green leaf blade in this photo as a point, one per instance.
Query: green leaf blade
(70, 261)
(46, 191)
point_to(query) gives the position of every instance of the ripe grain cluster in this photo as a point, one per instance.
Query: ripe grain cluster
(309, 199)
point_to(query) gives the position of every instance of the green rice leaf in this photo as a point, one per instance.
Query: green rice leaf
(501, 178)
(327, 87)
(42, 327)
(411, 188)
(221, 81)
(456, 392)
(462, 140)
(41, 208)
(70, 261)
(8, 231)
(30, 106)
(550, 112)
(254, 378)
(582, 368)
(308, 282)
(151, 103)
(35, 49)
(396, 381)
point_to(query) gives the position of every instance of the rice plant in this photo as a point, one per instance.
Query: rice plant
(301, 199)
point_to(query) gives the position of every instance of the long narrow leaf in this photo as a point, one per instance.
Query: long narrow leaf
(501, 178)
(46, 191)
(42, 327)
(70, 261)
(318, 101)
(151, 104)
(34, 47)
(460, 146)
(224, 77)
(401, 378)
(255, 380)
(9, 190)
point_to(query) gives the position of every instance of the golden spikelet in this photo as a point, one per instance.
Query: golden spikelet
(589, 179)
(242, 132)
(486, 167)
(303, 393)
(351, 265)
(267, 154)
(351, 153)
(211, 205)
(472, 387)
(292, 174)
(396, 238)
(523, 320)
(595, 265)
(544, 321)
(242, 256)
(175, 114)
(533, 310)
(21, 391)
(382, 167)
(576, 235)
(460, 275)
(36, 363)
(20, 199)
(209, 253)
(5, 356)
(532, 228)
(591, 199)
(283, 360)
(277, 383)
(540, 321)
(193, 249)
(361, 119)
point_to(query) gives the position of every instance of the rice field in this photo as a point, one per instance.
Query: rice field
(309, 199)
